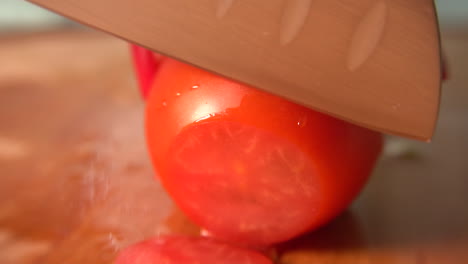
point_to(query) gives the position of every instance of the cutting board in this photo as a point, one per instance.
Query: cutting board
(76, 184)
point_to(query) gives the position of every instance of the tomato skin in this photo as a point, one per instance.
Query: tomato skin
(188, 250)
(187, 101)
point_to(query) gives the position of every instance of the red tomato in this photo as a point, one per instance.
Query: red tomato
(249, 166)
(188, 250)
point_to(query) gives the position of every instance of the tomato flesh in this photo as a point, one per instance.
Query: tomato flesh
(247, 179)
(188, 250)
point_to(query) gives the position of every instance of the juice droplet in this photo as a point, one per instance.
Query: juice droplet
(164, 103)
(195, 87)
(302, 122)
(204, 118)
(205, 233)
(177, 94)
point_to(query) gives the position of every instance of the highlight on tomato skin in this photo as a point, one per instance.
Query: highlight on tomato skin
(248, 166)
(188, 250)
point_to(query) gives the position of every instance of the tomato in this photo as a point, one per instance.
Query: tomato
(188, 250)
(249, 166)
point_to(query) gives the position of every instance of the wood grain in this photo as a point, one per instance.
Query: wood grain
(372, 62)
(76, 184)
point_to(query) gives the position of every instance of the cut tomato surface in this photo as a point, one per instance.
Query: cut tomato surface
(249, 166)
(242, 173)
(188, 250)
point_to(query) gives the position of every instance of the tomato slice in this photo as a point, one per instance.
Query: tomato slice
(249, 166)
(188, 250)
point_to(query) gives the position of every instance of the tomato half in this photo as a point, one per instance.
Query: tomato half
(249, 166)
(188, 250)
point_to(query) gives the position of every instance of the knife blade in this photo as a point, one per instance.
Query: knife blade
(375, 63)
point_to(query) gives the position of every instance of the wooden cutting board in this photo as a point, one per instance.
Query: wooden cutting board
(76, 184)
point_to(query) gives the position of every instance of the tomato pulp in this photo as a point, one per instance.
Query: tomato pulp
(249, 166)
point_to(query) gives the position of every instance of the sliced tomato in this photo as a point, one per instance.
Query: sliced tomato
(249, 166)
(188, 250)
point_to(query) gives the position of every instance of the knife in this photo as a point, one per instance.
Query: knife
(375, 63)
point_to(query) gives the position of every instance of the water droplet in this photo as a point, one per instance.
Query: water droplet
(164, 103)
(177, 94)
(195, 87)
(302, 122)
